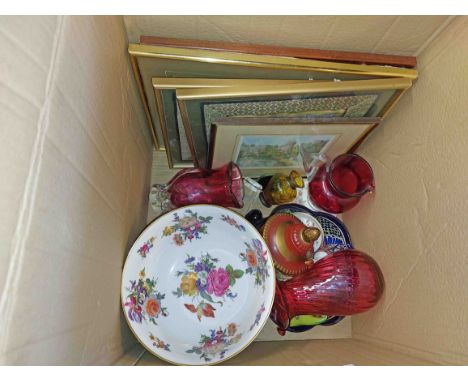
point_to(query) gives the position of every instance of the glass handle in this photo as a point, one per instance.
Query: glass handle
(159, 198)
(312, 164)
(252, 191)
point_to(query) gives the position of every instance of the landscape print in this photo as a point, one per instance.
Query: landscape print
(272, 151)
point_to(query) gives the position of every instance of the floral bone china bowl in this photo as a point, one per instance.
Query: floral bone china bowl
(198, 285)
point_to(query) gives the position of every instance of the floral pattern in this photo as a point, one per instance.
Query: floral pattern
(144, 302)
(145, 248)
(190, 227)
(205, 282)
(159, 344)
(233, 222)
(216, 343)
(257, 317)
(256, 258)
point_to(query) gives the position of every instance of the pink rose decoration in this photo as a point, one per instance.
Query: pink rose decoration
(217, 282)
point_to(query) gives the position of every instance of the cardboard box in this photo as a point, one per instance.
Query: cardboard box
(76, 158)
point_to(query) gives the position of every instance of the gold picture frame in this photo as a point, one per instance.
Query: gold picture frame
(350, 99)
(175, 140)
(150, 61)
(264, 146)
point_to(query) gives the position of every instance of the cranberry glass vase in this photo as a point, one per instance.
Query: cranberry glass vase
(338, 186)
(222, 186)
(341, 284)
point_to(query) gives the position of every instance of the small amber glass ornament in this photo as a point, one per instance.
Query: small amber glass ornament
(281, 189)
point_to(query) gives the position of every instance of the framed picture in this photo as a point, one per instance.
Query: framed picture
(345, 99)
(263, 146)
(173, 131)
(313, 54)
(149, 61)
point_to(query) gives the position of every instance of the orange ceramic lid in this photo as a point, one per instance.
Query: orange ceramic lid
(273, 233)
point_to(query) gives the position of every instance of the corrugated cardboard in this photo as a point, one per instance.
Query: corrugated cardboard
(404, 35)
(415, 224)
(75, 162)
(331, 352)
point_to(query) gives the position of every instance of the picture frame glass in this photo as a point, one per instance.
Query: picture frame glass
(278, 152)
(335, 106)
(202, 114)
(262, 148)
(179, 147)
(175, 139)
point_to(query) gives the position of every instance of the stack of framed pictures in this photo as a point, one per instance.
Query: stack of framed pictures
(206, 108)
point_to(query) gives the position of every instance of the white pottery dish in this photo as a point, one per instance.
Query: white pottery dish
(198, 285)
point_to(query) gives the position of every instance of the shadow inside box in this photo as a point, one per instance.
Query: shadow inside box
(256, 354)
(283, 353)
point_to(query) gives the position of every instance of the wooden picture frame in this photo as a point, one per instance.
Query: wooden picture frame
(350, 99)
(307, 53)
(264, 146)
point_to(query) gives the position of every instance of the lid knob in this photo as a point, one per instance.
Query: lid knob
(310, 234)
(291, 242)
(295, 180)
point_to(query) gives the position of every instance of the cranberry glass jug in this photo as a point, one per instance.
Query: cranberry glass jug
(338, 186)
(222, 186)
(340, 284)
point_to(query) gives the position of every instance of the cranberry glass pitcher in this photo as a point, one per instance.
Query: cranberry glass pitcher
(222, 186)
(340, 284)
(338, 186)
